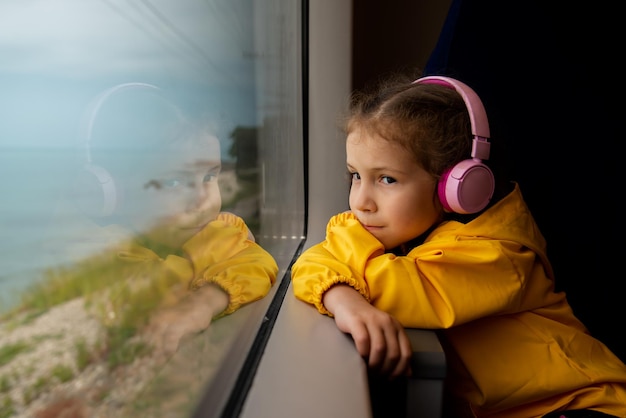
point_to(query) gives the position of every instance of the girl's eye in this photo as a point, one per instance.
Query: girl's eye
(162, 184)
(388, 180)
(354, 176)
(209, 177)
(171, 183)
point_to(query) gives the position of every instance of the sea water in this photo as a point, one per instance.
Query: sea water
(32, 183)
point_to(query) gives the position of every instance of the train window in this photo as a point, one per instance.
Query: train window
(145, 148)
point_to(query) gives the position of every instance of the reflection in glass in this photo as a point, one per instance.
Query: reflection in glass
(143, 148)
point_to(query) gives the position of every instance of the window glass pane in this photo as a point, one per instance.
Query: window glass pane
(147, 148)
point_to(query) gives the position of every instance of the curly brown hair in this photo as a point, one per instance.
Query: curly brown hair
(430, 121)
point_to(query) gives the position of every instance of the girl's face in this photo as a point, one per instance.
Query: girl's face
(177, 194)
(391, 195)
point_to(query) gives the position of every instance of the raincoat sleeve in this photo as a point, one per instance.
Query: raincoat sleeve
(450, 279)
(224, 254)
(341, 258)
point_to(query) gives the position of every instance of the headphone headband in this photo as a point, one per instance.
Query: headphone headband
(98, 194)
(94, 106)
(477, 113)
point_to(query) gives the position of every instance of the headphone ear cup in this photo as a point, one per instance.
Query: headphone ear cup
(95, 193)
(467, 187)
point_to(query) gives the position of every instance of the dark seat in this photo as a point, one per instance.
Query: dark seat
(425, 387)
(421, 395)
(547, 73)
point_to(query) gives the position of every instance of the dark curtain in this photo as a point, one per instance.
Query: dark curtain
(550, 76)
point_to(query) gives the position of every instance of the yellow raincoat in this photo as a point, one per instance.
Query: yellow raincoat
(514, 347)
(222, 253)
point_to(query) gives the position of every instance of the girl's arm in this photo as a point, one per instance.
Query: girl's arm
(379, 338)
(225, 254)
(192, 314)
(228, 270)
(434, 286)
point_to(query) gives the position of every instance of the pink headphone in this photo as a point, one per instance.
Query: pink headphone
(469, 185)
(98, 188)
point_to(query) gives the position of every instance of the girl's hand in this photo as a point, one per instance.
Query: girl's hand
(379, 338)
(190, 315)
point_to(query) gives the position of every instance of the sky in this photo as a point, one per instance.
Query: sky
(59, 54)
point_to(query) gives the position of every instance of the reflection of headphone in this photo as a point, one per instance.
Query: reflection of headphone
(97, 193)
(469, 185)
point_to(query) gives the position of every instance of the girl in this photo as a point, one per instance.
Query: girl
(433, 240)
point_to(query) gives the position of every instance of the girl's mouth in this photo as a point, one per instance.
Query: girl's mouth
(372, 228)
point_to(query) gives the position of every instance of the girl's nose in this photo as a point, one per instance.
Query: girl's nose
(198, 195)
(361, 198)
(204, 196)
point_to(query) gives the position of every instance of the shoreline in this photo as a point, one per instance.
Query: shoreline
(52, 338)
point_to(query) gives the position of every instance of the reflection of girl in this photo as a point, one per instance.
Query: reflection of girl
(223, 268)
(156, 197)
